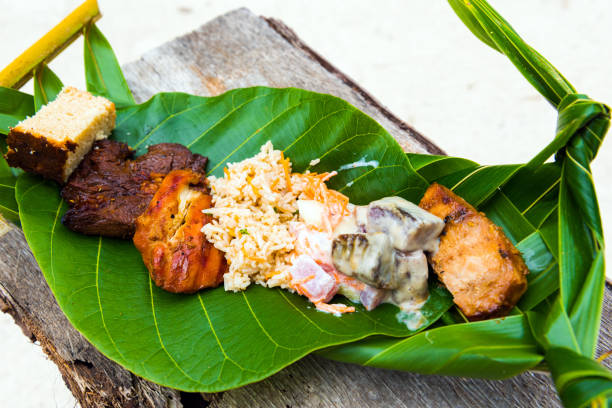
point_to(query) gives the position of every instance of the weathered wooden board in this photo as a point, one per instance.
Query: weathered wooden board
(238, 50)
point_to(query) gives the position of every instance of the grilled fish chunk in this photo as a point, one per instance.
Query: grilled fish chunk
(411, 274)
(409, 227)
(175, 252)
(476, 261)
(370, 259)
(367, 257)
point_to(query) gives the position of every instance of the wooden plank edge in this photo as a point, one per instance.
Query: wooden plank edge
(290, 36)
(94, 380)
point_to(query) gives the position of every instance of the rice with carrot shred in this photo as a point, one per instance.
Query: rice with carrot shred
(253, 205)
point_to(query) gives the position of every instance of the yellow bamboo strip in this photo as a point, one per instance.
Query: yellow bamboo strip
(18, 72)
(604, 356)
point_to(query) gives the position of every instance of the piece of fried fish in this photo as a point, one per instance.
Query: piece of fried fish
(476, 261)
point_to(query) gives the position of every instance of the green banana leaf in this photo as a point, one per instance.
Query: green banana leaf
(8, 205)
(14, 107)
(554, 207)
(567, 326)
(205, 342)
(102, 71)
(494, 349)
(46, 86)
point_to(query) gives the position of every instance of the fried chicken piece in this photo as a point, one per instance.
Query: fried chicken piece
(110, 189)
(476, 261)
(168, 235)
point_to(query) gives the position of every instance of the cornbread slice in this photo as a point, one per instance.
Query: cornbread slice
(53, 142)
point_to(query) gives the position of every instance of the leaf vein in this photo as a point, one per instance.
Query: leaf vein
(214, 332)
(313, 126)
(263, 329)
(369, 172)
(234, 109)
(52, 240)
(123, 120)
(9, 210)
(161, 342)
(580, 166)
(148, 135)
(93, 58)
(468, 176)
(100, 301)
(307, 318)
(245, 141)
(541, 196)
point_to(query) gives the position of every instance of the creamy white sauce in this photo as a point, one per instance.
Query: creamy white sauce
(409, 230)
(359, 163)
(409, 227)
(312, 212)
(411, 317)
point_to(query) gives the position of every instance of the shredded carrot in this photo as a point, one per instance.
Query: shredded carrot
(334, 308)
(227, 173)
(315, 189)
(255, 189)
(306, 279)
(301, 289)
(286, 164)
(271, 274)
(251, 257)
(347, 280)
(256, 259)
(304, 292)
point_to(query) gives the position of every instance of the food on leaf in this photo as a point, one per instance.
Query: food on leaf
(476, 261)
(310, 280)
(366, 257)
(307, 238)
(475, 350)
(53, 142)
(110, 189)
(411, 272)
(168, 236)
(409, 227)
(283, 248)
(382, 244)
(254, 196)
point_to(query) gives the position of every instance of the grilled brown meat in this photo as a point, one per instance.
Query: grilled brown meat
(169, 237)
(476, 261)
(110, 189)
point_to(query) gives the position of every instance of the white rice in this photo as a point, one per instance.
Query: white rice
(252, 210)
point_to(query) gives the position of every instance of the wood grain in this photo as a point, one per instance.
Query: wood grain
(240, 49)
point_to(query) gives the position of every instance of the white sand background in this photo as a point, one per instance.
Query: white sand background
(414, 56)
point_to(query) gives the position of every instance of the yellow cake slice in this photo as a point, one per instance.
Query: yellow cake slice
(53, 142)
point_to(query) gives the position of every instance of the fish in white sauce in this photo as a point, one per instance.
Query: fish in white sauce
(382, 244)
